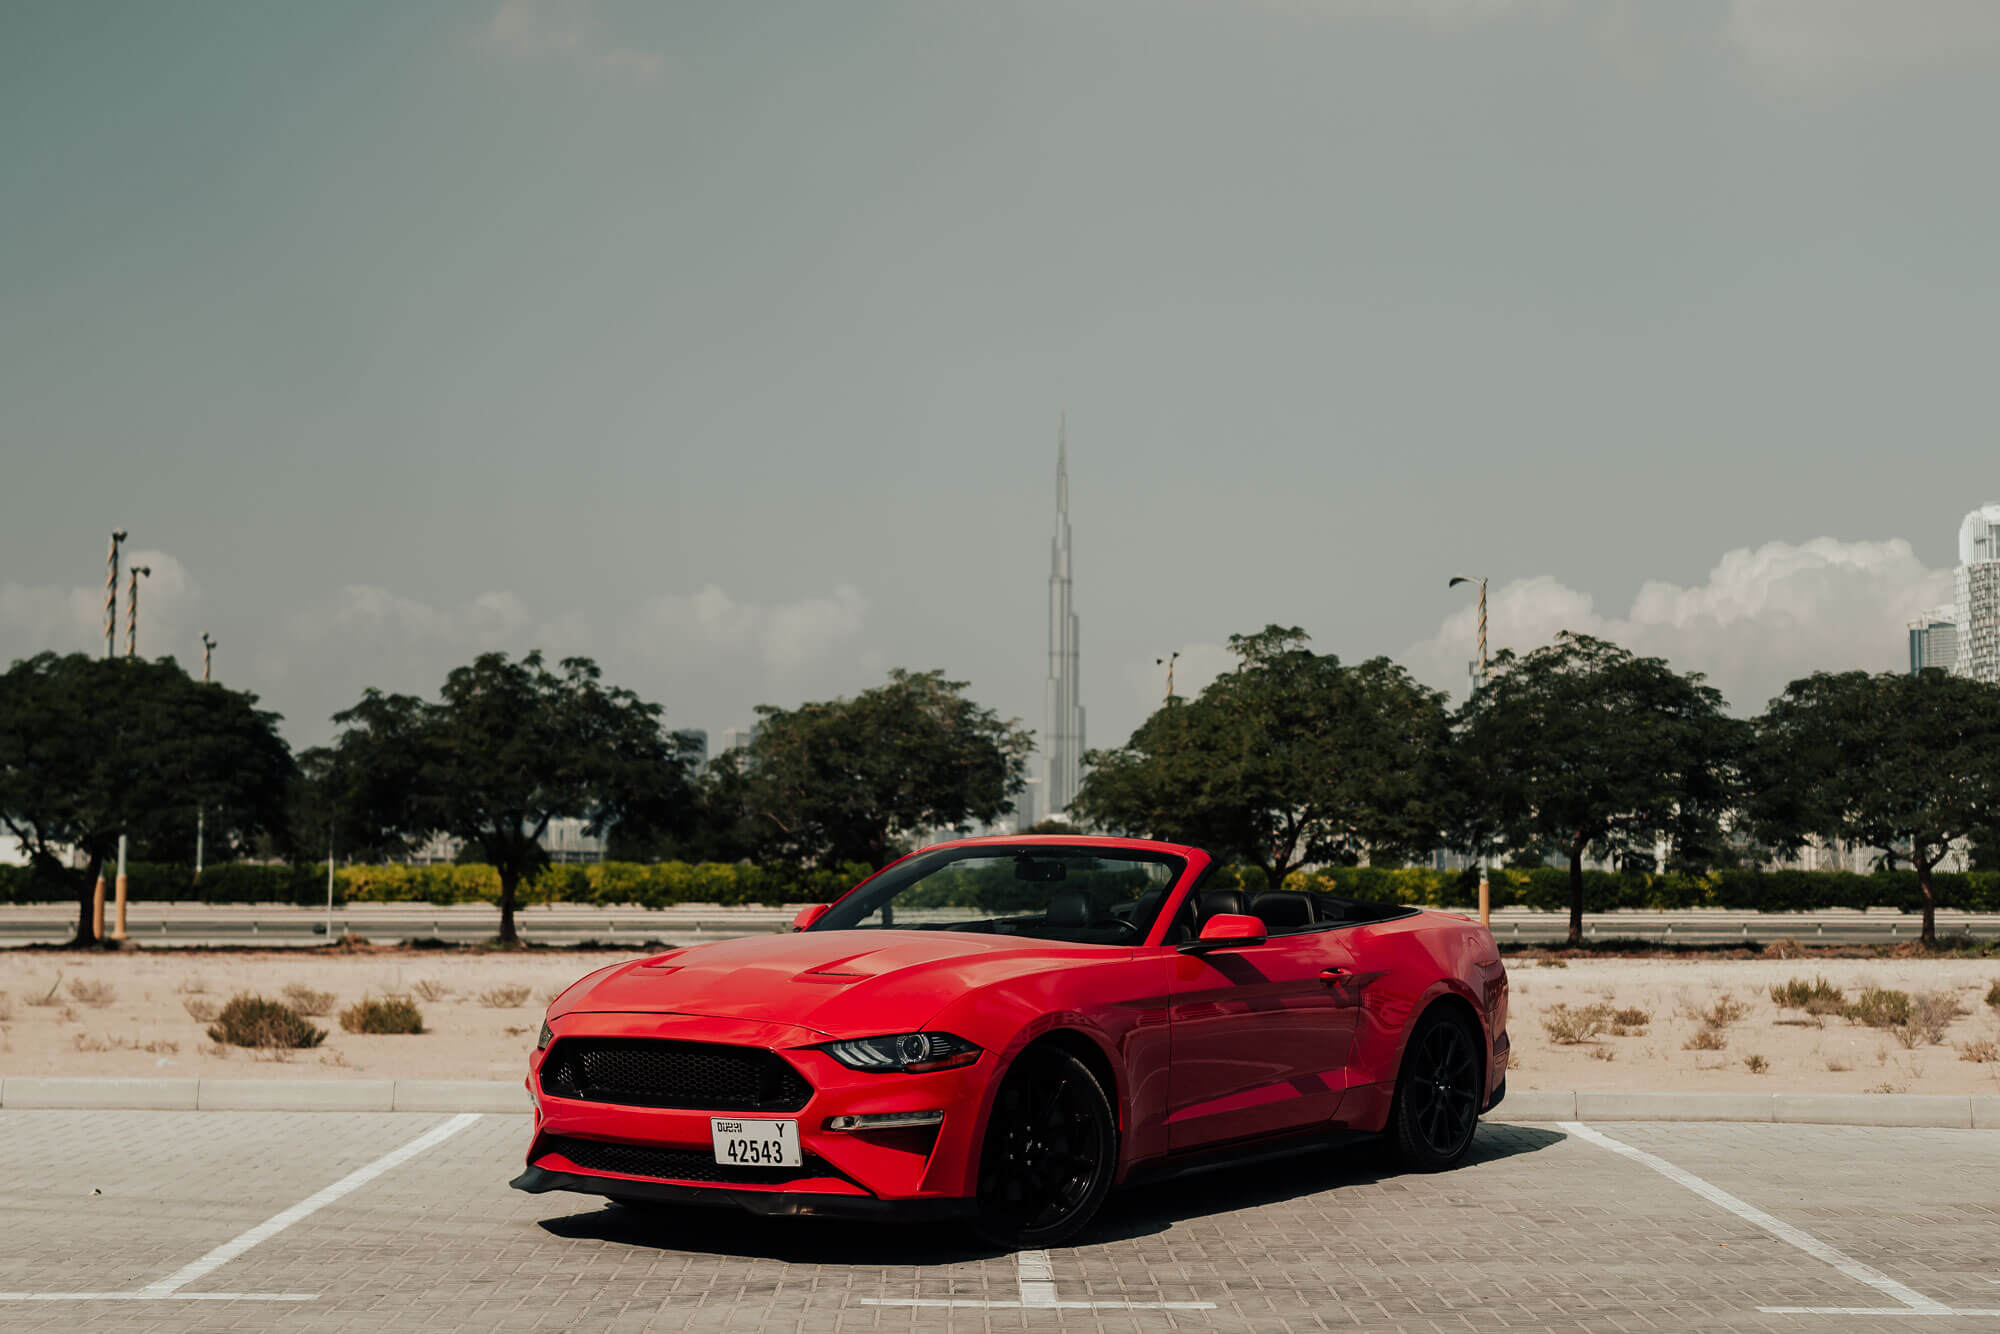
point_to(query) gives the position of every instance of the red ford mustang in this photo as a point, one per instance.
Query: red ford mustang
(1004, 1029)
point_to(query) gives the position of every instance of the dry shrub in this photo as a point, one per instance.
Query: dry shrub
(190, 986)
(1931, 1013)
(1993, 995)
(1799, 994)
(1879, 1007)
(514, 1031)
(67, 1014)
(1837, 1066)
(304, 1000)
(98, 994)
(1726, 1011)
(1603, 1053)
(255, 1021)
(1981, 1052)
(51, 996)
(504, 997)
(1785, 948)
(1884, 1087)
(200, 1009)
(1555, 963)
(390, 1014)
(85, 1042)
(431, 992)
(6, 1008)
(1632, 1017)
(1706, 1038)
(1755, 1064)
(1568, 1025)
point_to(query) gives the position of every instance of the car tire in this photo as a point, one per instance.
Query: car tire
(1435, 1112)
(1050, 1152)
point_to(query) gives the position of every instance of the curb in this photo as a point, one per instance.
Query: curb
(1958, 1111)
(19, 1092)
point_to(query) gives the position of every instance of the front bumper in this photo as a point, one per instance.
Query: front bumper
(769, 1203)
(896, 1173)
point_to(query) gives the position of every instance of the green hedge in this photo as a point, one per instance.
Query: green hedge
(1547, 888)
(660, 884)
(610, 883)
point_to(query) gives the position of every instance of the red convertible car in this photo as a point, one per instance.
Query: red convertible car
(1006, 1028)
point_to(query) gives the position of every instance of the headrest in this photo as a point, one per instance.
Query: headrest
(1281, 910)
(1071, 907)
(1215, 901)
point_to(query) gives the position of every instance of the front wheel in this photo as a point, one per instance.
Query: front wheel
(1438, 1093)
(1051, 1148)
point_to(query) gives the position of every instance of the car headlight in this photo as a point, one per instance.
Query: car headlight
(911, 1053)
(542, 1042)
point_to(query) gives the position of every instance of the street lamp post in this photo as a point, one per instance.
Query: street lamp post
(1168, 663)
(111, 596)
(1479, 684)
(201, 813)
(132, 610)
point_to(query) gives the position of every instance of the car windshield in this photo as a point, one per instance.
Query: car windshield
(1082, 895)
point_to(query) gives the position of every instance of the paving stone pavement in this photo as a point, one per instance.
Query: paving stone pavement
(1541, 1230)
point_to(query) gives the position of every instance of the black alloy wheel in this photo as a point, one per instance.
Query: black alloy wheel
(1438, 1093)
(1051, 1148)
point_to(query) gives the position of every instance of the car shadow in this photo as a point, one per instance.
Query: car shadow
(1139, 1211)
(1232, 1187)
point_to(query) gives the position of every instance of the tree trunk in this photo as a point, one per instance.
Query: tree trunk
(1576, 894)
(86, 893)
(1930, 904)
(510, 881)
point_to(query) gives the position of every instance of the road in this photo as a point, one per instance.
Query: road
(383, 923)
(323, 1221)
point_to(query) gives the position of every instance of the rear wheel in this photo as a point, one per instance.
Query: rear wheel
(1436, 1109)
(1051, 1148)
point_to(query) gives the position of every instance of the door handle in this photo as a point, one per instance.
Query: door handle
(1332, 974)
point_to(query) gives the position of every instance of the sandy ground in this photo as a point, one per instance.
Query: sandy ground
(143, 1027)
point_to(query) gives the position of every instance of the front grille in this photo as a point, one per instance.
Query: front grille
(655, 1072)
(647, 1160)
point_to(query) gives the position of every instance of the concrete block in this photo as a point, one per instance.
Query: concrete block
(1875, 1109)
(164, 1095)
(296, 1095)
(1985, 1111)
(1536, 1105)
(461, 1095)
(1656, 1105)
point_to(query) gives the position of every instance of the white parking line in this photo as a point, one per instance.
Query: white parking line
(1913, 1302)
(168, 1288)
(1036, 1274)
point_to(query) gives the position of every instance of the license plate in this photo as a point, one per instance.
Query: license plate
(745, 1143)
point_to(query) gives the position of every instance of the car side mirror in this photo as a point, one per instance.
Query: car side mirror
(1226, 930)
(809, 914)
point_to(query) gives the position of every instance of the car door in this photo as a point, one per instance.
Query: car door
(1259, 1037)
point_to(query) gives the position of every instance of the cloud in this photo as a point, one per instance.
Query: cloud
(567, 30)
(780, 638)
(1830, 47)
(370, 612)
(70, 619)
(1437, 15)
(1765, 616)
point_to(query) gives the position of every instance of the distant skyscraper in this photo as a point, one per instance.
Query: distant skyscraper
(1062, 736)
(1934, 640)
(1977, 612)
(735, 738)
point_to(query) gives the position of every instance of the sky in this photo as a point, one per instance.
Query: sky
(726, 343)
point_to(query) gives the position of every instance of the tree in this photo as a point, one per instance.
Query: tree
(1581, 745)
(842, 780)
(1895, 762)
(91, 748)
(507, 748)
(1289, 760)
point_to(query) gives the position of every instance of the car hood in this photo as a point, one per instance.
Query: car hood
(840, 983)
